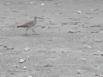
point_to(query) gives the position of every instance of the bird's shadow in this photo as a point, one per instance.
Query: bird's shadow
(29, 34)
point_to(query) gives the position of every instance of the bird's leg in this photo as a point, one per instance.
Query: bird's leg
(26, 31)
(34, 32)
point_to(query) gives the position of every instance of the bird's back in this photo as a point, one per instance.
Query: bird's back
(28, 24)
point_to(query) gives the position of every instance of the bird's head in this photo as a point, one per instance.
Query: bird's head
(36, 17)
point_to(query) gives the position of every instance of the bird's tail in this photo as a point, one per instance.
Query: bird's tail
(21, 26)
(18, 26)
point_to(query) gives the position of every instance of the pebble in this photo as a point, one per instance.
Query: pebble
(79, 71)
(24, 67)
(30, 76)
(31, 2)
(48, 65)
(79, 12)
(8, 48)
(96, 75)
(83, 59)
(101, 54)
(42, 4)
(95, 54)
(98, 51)
(27, 48)
(87, 46)
(21, 60)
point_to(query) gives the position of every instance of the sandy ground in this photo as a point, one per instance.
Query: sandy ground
(69, 43)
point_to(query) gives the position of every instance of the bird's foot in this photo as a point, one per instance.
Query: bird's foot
(35, 33)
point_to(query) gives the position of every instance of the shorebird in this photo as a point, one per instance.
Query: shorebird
(30, 25)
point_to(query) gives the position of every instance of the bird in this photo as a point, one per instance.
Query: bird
(30, 25)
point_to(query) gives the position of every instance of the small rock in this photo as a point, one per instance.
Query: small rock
(30, 76)
(27, 48)
(43, 27)
(79, 71)
(8, 48)
(24, 67)
(83, 59)
(48, 65)
(42, 4)
(31, 2)
(96, 54)
(21, 60)
(98, 51)
(79, 12)
(96, 75)
(87, 46)
(5, 46)
(101, 54)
